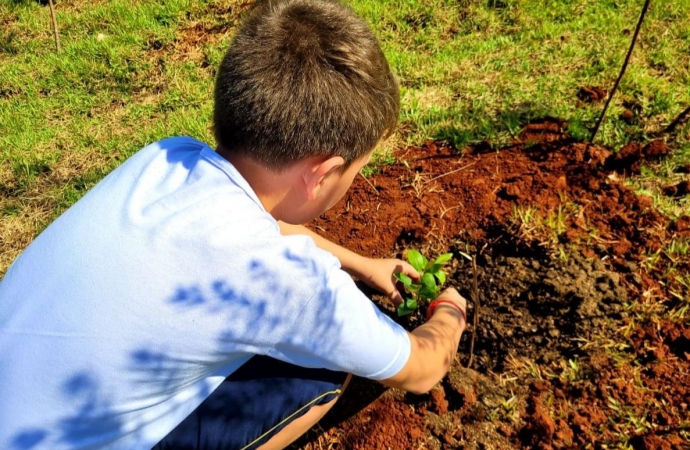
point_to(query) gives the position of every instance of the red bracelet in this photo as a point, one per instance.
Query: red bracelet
(433, 305)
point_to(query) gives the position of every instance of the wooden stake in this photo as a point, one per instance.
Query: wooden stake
(620, 76)
(55, 26)
(475, 301)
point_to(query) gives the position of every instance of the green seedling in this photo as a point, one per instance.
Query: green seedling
(431, 279)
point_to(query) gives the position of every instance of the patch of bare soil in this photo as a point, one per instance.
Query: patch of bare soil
(562, 357)
(543, 309)
(204, 28)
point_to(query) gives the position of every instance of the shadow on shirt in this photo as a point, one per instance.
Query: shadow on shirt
(163, 373)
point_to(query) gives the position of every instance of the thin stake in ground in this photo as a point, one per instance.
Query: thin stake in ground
(620, 75)
(475, 302)
(55, 26)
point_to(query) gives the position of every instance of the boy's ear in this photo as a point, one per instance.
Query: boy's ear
(317, 171)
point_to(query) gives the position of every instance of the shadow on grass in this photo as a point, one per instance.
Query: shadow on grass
(25, 2)
(494, 128)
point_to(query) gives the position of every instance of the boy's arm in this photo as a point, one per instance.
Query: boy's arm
(433, 347)
(433, 344)
(377, 273)
(349, 260)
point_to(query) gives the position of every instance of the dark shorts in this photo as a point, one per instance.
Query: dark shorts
(252, 405)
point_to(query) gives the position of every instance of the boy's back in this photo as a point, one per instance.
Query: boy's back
(137, 302)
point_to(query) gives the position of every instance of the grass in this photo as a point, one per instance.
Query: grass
(477, 70)
(545, 228)
(470, 71)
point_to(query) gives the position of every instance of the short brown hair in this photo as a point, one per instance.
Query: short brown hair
(304, 78)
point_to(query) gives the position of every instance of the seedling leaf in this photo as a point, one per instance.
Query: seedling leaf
(404, 279)
(428, 281)
(414, 287)
(407, 307)
(433, 268)
(427, 288)
(416, 259)
(441, 276)
(428, 293)
(444, 258)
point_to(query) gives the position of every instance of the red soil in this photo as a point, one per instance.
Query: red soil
(437, 198)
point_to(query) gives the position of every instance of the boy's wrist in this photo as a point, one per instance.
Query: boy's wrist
(449, 304)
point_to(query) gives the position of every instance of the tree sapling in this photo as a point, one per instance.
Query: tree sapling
(431, 279)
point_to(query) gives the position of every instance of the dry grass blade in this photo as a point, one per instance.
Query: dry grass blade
(451, 172)
(369, 183)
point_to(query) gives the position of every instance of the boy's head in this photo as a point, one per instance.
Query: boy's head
(303, 78)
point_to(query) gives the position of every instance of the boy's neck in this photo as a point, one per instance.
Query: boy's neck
(271, 187)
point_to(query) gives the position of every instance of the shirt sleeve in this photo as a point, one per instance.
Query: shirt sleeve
(339, 328)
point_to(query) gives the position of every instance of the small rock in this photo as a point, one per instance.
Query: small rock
(627, 116)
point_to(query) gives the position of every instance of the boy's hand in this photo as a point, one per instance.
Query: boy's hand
(378, 274)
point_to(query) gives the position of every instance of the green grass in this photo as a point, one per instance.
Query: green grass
(133, 72)
(472, 71)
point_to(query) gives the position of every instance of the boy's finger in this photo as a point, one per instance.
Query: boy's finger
(410, 271)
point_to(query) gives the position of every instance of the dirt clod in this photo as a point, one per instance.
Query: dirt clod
(677, 190)
(591, 94)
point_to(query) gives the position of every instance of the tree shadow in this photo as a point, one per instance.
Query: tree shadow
(24, 2)
(180, 378)
(510, 121)
(144, 353)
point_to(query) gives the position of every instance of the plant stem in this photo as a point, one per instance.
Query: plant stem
(620, 76)
(55, 27)
(475, 301)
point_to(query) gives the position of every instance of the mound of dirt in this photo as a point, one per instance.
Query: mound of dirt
(563, 249)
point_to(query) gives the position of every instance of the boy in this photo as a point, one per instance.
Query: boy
(179, 305)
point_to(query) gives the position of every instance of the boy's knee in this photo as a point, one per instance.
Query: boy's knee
(302, 424)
